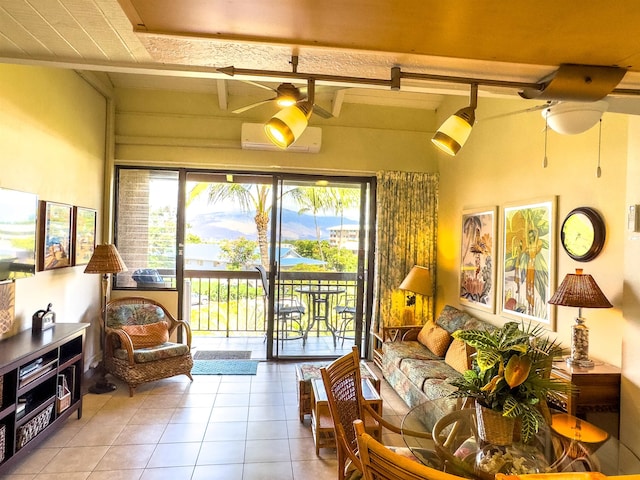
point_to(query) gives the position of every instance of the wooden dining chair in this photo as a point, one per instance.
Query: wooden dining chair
(342, 382)
(381, 463)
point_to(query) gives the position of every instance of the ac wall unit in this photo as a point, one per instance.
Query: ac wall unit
(254, 138)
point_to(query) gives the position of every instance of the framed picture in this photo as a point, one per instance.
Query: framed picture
(84, 235)
(55, 236)
(529, 250)
(477, 258)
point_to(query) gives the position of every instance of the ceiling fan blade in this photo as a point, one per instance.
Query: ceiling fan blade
(321, 112)
(253, 105)
(256, 84)
(535, 108)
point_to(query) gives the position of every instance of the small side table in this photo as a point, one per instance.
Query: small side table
(306, 372)
(322, 423)
(598, 388)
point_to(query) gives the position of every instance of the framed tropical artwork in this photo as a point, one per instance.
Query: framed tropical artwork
(528, 266)
(84, 234)
(477, 258)
(55, 236)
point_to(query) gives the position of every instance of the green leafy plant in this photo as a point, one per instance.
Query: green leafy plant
(511, 373)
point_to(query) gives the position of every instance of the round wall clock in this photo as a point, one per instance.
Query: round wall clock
(582, 234)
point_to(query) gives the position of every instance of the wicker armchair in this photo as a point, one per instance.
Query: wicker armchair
(137, 347)
(342, 382)
(381, 463)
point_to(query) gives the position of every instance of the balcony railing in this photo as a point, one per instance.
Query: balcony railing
(233, 303)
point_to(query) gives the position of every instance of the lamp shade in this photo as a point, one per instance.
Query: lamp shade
(418, 281)
(105, 259)
(580, 290)
(286, 126)
(454, 132)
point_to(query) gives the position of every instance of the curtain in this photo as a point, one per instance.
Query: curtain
(407, 222)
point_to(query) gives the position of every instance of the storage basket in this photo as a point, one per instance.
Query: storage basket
(33, 427)
(3, 435)
(63, 398)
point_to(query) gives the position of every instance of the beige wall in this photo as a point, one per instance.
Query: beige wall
(502, 163)
(52, 128)
(179, 129)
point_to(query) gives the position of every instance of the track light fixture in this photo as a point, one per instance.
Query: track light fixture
(286, 126)
(455, 131)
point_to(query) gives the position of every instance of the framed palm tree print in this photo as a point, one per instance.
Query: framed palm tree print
(528, 267)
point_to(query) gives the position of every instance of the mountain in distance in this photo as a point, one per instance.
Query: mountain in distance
(233, 225)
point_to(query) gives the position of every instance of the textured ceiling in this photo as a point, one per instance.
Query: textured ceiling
(179, 44)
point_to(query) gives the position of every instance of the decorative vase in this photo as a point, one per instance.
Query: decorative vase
(493, 428)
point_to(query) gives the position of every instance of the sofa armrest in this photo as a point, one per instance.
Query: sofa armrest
(400, 332)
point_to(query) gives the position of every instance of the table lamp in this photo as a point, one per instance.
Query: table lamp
(582, 291)
(418, 280)
(105, 260)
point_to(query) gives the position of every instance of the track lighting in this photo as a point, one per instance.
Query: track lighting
(286, 126)
(455, 131)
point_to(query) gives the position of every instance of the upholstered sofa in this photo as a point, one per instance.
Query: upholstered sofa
(421, 364)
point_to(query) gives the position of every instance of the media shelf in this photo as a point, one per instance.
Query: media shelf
(32, 367)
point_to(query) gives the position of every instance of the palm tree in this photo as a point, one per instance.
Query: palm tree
(251, 198)
(313, 199)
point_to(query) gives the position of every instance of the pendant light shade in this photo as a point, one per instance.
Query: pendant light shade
(454, 132)
(286, 126)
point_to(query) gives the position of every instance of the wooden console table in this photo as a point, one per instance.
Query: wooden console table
(598, 388)
(40, 386)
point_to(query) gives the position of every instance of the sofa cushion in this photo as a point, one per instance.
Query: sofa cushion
(137, 314)
(395, 352)
(144, 355)
(459, 355)
(435, 338)
(417, 371)
(148, 335)
(452, 319)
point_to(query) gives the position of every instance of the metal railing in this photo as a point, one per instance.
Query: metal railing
(233, 303)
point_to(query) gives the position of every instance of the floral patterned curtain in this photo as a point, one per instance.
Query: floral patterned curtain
(407, 222)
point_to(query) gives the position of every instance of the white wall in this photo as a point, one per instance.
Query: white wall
(52, 132)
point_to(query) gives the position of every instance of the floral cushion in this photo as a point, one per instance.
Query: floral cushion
(133, 314)
(417, 371)
(395, 352)
(144, 355)
(452, 319)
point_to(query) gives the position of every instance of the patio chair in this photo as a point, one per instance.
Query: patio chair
(342, 382)
(381, 463)
(288, 311)
(137, 346)
(346, 314)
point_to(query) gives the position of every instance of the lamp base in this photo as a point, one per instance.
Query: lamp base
(102, 386)
(582, 363)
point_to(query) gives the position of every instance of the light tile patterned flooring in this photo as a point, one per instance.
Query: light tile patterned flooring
(214, 428)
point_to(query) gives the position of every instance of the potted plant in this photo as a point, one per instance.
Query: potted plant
(511, 376)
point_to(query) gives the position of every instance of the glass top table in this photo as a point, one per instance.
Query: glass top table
(569, 444)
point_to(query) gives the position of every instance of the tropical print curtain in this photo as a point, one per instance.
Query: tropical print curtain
(407, 222)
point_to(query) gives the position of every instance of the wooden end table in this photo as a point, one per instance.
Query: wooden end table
(322, 423)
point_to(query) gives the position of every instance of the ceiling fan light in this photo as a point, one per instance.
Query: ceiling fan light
(571, 118)
(454, 132)
(286, 126)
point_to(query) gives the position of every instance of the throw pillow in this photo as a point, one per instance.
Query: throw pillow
(148, 335)
(435, 338)
(459, 355)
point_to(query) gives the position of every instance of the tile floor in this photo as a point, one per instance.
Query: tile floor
(216, 428)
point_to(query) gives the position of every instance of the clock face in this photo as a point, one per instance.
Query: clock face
(583, 234)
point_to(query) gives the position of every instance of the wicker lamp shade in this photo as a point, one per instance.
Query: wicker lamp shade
(105, 259)
(580, 290)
